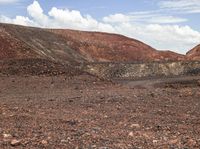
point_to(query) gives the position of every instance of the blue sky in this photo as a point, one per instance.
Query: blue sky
(93, 7)
(163, 24)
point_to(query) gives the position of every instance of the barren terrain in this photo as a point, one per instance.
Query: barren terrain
(84, 112)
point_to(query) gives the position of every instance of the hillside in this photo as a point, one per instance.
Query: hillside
(194, 54)
(68, 46)
(31, 50)
(26, 50)
(13, 48)
(106, 47)
(26, 42)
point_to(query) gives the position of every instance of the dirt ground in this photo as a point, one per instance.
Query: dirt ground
(85, 113)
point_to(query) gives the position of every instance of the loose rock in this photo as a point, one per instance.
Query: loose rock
(15, 142)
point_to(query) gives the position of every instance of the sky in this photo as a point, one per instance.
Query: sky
(163, 24)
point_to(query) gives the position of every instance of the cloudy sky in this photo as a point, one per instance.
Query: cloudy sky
(163, 24)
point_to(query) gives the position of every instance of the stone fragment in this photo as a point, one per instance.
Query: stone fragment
(15, 142)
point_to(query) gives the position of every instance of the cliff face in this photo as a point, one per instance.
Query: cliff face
(194, 54)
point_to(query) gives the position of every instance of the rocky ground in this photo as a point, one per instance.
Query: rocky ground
(84, 112)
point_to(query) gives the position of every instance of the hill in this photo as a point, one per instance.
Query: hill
(194, 54)
(68, 46)
(60, 51)
(104, 47)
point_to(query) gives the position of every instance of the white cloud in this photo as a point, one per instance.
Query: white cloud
(18, 20)
(185, 6)
(165, 37)
(7, 1)
(73, 19)
(5, 19)
(36, 12)
(23, 21)
(64, 18)
(145, 17)
(145, 26)
(167, 20)
(117, 18)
